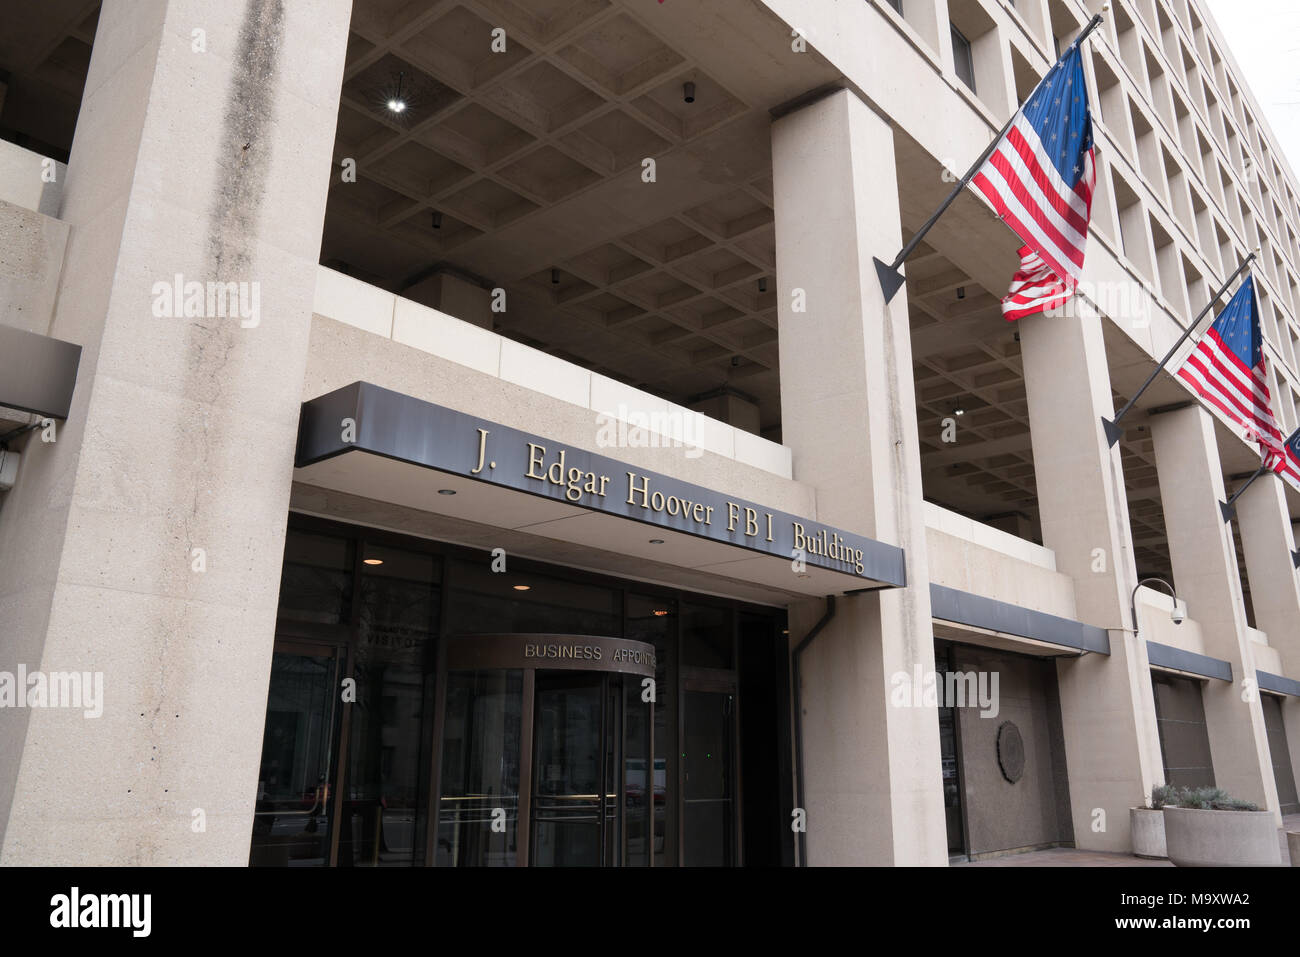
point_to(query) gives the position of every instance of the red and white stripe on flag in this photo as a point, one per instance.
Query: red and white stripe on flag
(1034, 288)
(1051, 216)
(1216, 373)
(1284, 464)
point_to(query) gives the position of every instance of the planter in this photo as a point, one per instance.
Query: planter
(1197, 838)
(1147, 826)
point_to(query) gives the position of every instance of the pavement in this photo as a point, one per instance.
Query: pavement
(1072, 857)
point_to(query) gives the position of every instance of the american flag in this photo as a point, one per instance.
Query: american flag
(1040, 180)
(1287, 462)
(1227, 370)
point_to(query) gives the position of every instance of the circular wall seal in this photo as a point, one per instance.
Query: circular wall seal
(1011, 752)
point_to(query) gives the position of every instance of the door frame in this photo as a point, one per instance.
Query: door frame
(507, 652)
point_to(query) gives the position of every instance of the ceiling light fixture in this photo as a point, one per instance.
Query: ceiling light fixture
(437, 220)
(555, 277)
(660, 612)
(688, 92)
(959, 411)
(961, 292)
(395, 103)
(762, 284)
(522, 587)
(372, 561)
(446, 491)
(656, 541)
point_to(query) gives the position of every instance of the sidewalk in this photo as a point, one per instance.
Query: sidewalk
(1070, 857)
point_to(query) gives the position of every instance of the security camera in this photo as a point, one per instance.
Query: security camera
(1177, 616)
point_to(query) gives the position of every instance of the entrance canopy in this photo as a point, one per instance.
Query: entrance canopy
(383, 445)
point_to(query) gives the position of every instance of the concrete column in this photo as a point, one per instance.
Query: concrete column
(872, 770)
(1112, 748)
(1204, 560)
(1267, 539)
(152, 531)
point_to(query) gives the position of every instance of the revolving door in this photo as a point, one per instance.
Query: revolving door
(547, 752)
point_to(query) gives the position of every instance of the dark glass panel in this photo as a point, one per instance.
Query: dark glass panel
(291, 821)
(485, 602)
(391, 721)
(707, 779)
(316, 580)
(706, 636)
(568, 792)
(480, 768)
(654, 620)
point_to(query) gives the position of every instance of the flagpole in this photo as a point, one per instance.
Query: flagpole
(1111, 426)
(890, 278)
(1226, 507)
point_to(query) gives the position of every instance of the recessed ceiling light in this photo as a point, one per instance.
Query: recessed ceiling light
(660, 612)
(656, 541)
(372, 561)
(446, 491)
(522, 587)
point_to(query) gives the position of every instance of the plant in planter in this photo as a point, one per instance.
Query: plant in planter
(1205, 827)
(1147, 824)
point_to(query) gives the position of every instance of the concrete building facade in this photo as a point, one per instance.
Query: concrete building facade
(490, 443)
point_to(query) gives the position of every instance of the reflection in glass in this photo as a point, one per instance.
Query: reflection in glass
(654, 620)
(291, 822)
(707, 786)
(387, 783)
(316, 580)
(484, 602)
(480, 768)
(949, 757)
(706, 636)
(568, 799)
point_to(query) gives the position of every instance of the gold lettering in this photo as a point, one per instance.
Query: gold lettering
(798, 536)
(482, 449)
(708, 515)
(657, 501)
(751, 522)
(769, 526)
(603, 480)
(733, 513)
(536, 455)
(556, 472)
(632, 490)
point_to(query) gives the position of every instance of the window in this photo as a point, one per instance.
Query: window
(897, 5)
(962, 59)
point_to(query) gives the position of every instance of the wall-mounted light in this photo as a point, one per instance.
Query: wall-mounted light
(688, 92)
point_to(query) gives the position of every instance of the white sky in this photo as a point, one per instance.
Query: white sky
(1264, 36)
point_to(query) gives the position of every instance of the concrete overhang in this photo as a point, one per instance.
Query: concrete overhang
(382, 445)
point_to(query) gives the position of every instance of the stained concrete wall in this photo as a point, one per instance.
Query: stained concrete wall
(32, 245)
(214, 165)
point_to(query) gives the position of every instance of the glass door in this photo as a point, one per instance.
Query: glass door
(294, 817)
(574, 757)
